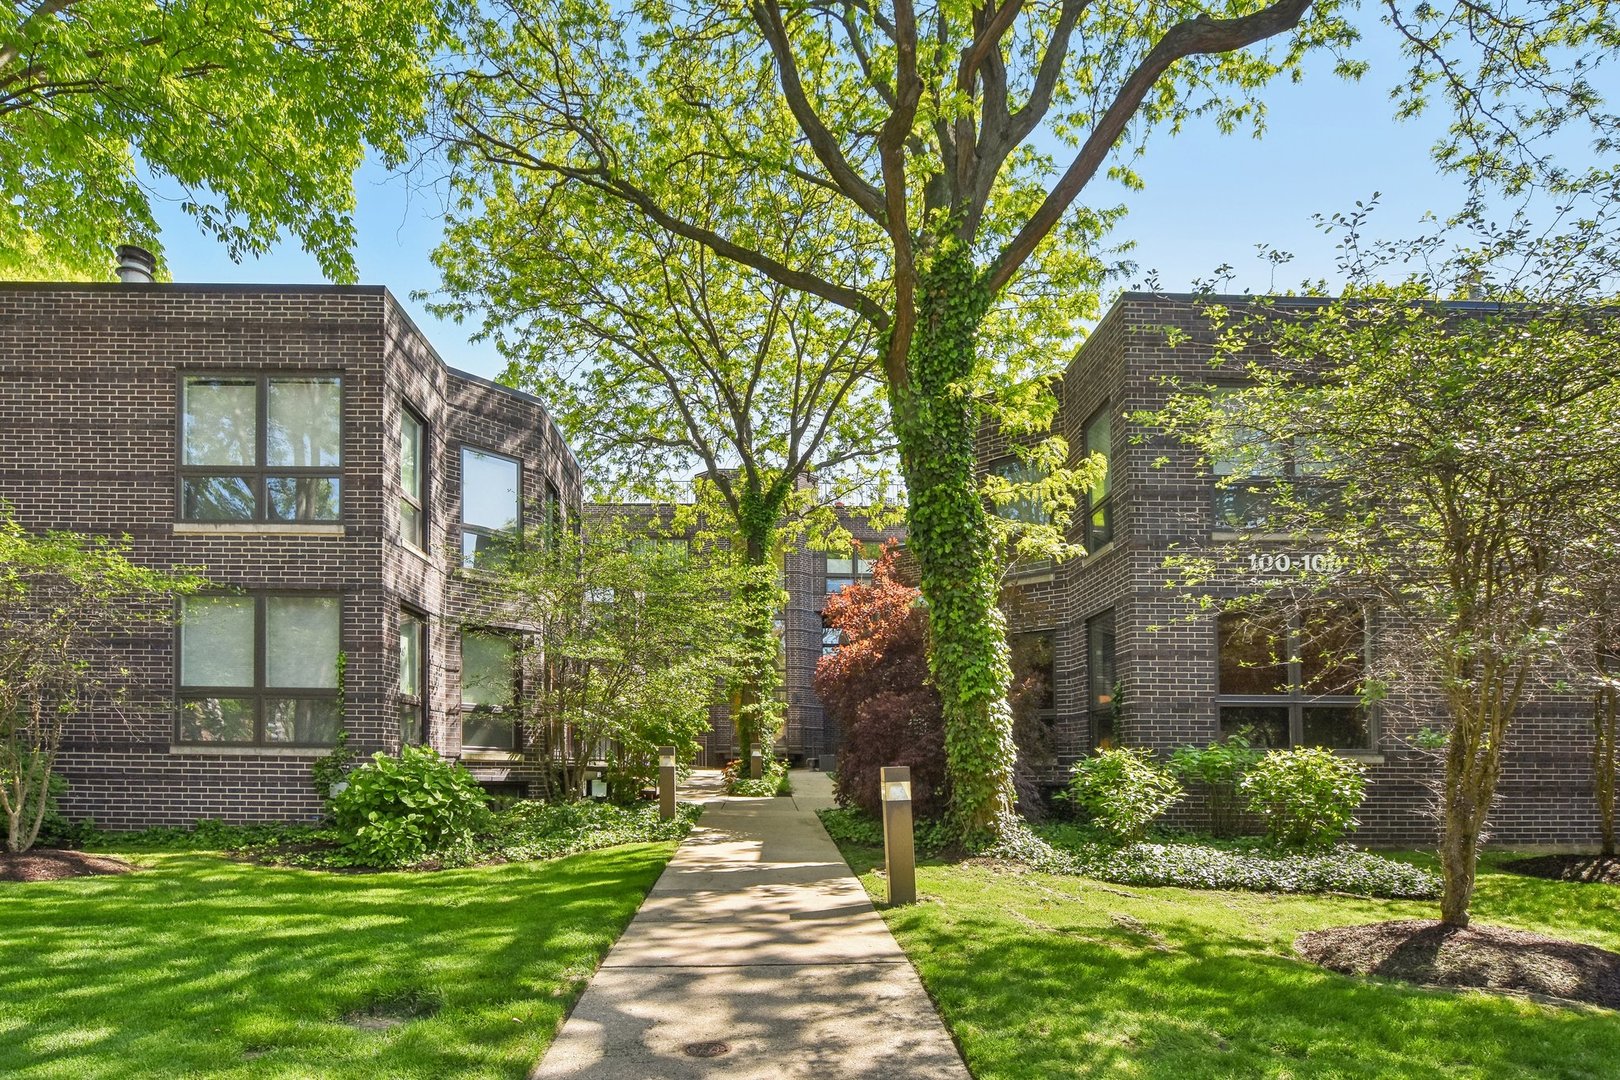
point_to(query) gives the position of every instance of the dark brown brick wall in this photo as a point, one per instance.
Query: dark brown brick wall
(89, 381)
(1166, 661)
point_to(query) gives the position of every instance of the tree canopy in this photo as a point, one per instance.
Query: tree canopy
(259, 113)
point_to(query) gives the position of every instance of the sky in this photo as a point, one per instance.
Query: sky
(1209, 199)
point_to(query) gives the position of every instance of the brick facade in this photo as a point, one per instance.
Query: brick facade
(1166, 655)
(89, 412)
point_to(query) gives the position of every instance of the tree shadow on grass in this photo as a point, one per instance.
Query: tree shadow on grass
(225, 969)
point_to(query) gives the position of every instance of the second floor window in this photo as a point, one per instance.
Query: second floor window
(412, 480)
(490, 508)
(257, 448)
(259, 670)
(1099, 507)
(1025, 508)
(854, 568)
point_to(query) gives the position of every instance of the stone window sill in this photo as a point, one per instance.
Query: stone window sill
(221, 750)
(491, 757)
(249, 528)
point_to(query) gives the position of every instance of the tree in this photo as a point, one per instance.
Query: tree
(260, 112)
(632, 635)
(942, 127)
(66, 603)
(661, 359)
(1449, 459)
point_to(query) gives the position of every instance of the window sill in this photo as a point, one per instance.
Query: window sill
(491, 757)
(1265, 538)
(223, 750)
(1100, 552)
(258, 528)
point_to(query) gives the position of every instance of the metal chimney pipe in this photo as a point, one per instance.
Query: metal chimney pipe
(136, 265)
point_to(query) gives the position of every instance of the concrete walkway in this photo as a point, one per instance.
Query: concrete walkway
(756, 955)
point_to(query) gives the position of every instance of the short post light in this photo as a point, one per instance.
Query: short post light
(756, 765)
(666, 782)
(899, 852)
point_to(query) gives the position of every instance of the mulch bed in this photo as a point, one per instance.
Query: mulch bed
(1479, 957)
(1595, 869)
(49, 864)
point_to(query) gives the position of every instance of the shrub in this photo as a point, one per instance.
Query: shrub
(1218, 767)
(856, 828)
(400, 811)
(773, 779)
(1308, 796)
(1123, 791)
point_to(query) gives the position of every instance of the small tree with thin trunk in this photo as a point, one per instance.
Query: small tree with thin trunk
(1592, 639)
(66, 603)
(1447, 458)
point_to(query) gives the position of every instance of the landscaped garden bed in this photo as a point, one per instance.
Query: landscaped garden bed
(1595, 869)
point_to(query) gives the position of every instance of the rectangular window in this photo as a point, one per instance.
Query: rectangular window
(554, 517)
(1258, 470)
(491, 511)
(1033, 655)
(856, 567)
(259, 670)
(1292, 681)
(413, 479)
(1101, 679)
(412, 678)
(488, 691)
(261, 448)
(832, 638)
(1099, 513)
(1025, 508)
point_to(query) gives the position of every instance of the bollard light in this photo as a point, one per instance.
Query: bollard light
(756, 765)
(666, 782)
(899, 850)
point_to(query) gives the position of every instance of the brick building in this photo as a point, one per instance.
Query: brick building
(1134, 662)
(310, 453)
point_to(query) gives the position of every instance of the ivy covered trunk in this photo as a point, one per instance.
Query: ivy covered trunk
(937, 421)
(755, 710)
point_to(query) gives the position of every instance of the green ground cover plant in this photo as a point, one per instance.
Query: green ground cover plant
(1040, 975)
(201, 966)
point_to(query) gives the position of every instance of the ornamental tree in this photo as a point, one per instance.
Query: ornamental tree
(67, 604)
(259, 112)
(963, 136)
(1450, 458)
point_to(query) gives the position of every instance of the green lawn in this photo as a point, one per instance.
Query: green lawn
(202, 966)
(1041, 976)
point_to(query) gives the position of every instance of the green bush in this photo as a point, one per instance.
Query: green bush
(854, 827)
(1218, 767)
(1308, 796)
(401, 811)
(1123, 791)
(773, 779)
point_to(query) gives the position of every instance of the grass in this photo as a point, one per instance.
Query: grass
(1043, 976)
(198, 965)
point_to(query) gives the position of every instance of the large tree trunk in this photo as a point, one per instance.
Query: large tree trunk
(936, 419)
(1606, 721)
(754, 711)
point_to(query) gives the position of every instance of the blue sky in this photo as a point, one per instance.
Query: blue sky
(1209, 200)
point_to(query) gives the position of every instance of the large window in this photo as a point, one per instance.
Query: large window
(412, 678)
(488, 691)
(490, 506)
(1099, 508)
(1259, 469)
(413, 479)
(1292, 681)
(261, 448)
(1033, 656)
(259, 669)
(1025, 508)
(856, 567)
(1101, 679)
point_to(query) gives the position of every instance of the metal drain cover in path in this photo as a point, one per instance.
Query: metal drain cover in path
(706, 1049)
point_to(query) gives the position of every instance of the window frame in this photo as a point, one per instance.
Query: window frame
(260, 473)
(461, 497)
(1297, 700)
(420, 501)
(863, 556)
(513, 637)
(1095, 536)
(1101, 715)
(404, 700)
(259, 692)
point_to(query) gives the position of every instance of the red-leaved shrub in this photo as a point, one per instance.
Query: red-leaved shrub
(875, 687)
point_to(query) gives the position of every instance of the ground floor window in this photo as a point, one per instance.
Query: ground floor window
(489, 680)
(259, 670)
(1102, 680)
(1292, 679)
(412, 677)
